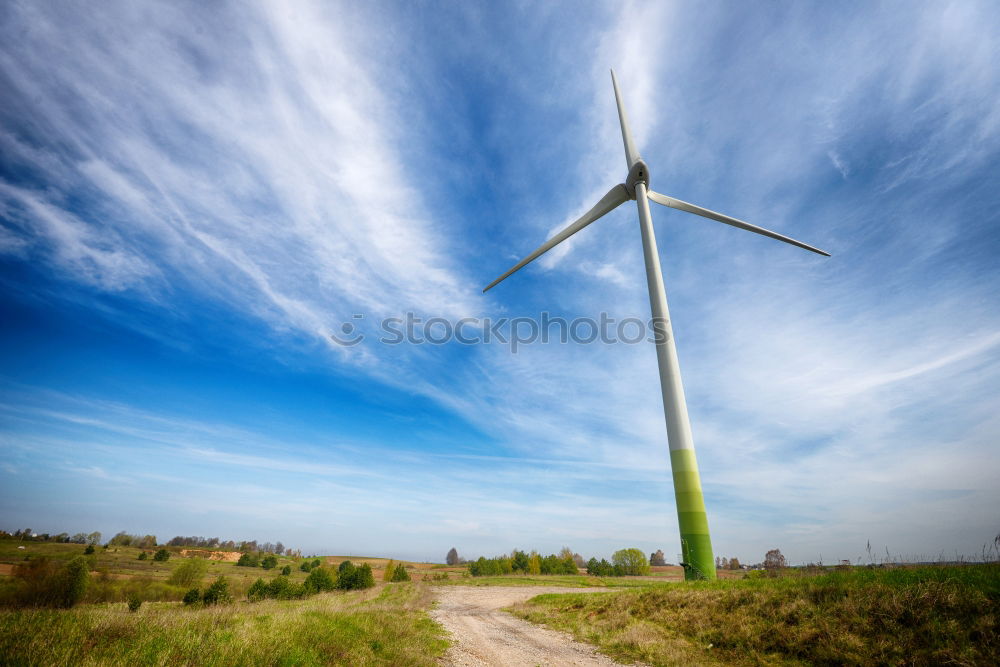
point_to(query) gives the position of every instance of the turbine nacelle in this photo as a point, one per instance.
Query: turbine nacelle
(637, 173)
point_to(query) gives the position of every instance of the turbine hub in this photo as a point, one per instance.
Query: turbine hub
(637, 173)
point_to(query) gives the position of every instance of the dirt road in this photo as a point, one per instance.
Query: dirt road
(484, 635)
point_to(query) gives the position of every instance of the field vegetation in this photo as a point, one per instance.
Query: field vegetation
(854, 616)
(387, 627)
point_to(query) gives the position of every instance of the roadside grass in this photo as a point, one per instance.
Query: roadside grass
(568, 580)
(386, 626)
(917, 616)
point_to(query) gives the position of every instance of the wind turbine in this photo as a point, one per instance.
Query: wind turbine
(696, 544)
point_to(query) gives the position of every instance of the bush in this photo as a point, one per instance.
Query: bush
(161, 556)
(603, 568)
(257, 591)
(248, 560)
(89, 550)
(287, 570)
(188, 572)
(217, 593)
(631, 562)
(193, 596)
(390, 569)
(143, 555)
(355, 578)
(269, 562)
(134, 602)
(306, 566)
(320, 580)
(316, 563)
(344, 567)
(400, 573)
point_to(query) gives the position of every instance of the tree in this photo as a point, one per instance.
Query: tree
(143, 555)
(72, 582)
(89, 550)
(631, 561)
(257, 591)
(217, 593)
(161, 556)
(305, 566)
(193, 596)
(248, 560)
(269, 562)
(355, 578)
(188, 572)
(657, 558)
(774, 561)
(94, 538)
(519, 561)
(534, 563)
(320, 580)
(452, 557)
(734, 563)
(287, 570)
(400, 573)
(390, 567)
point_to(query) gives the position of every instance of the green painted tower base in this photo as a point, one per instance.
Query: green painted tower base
(696, 545)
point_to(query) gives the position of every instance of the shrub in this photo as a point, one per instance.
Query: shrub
(400, 573)
(188, 572)
(134, 602)
(355, 578)
(143, 555)
(306, 566)
(316, 563)
(248, 560)
(161, 556)
(287, 570)
(269, 562)
(632, 562)
(602, 568)
(390, 569)
(320, 580)
(217, 593)
(89, 550)
(344, 567)
(257, 591)
(193, 596)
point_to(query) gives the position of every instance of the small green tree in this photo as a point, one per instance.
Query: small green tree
(287, 570)
(134, 602)
(400, 574)
(89, 550)
(257, 591)
(317, 563)
(161, 556)
(71, 582)
(390, 568)
(217, 593)
(143, 555)
(269, 562)
(248, 560)
(193, 596)
(320, 580)
(306, 566)
(355, 578)
(188, 572)
(631, 561)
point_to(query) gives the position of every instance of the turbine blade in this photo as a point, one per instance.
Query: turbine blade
(631, 154)
(712, 215)
(616, 196)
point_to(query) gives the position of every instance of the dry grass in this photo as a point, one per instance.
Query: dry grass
(386, 626)
(928, 616)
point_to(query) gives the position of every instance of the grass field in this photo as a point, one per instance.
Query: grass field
(386, 626)
(921, 616)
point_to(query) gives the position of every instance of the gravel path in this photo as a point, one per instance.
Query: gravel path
(484, 635)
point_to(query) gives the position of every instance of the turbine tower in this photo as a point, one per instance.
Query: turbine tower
(696, 545)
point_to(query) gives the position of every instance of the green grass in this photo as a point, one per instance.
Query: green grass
(568, 580)
(387, 627)
(920, 616)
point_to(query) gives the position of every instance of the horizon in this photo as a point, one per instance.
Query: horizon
(197, 202)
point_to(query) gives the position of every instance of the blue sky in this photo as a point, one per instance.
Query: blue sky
(193, 199)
